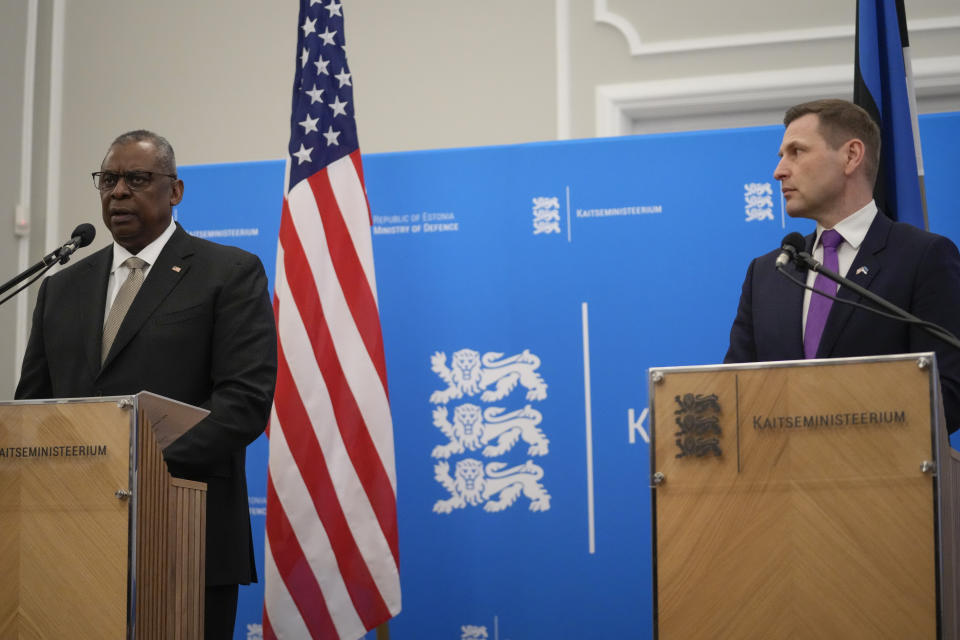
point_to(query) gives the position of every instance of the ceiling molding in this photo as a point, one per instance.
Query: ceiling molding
(618, 105)
(603, 15)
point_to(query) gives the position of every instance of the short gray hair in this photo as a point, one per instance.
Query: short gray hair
(165, 155)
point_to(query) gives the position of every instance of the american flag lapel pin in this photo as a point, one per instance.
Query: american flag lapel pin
(177, 269)
(863, 270)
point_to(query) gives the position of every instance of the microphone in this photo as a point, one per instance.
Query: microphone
(790, 247)
(81, 237)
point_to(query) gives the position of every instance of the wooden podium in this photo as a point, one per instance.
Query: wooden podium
(97, 540)
(810, 499)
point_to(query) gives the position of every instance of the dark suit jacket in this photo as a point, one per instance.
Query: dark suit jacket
(912, 268)
(200, 331)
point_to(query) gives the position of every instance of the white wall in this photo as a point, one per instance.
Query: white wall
(215, 77)
(13, 29)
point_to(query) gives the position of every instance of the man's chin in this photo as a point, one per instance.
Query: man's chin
(124, 226)
(123, 235)
(796, 212)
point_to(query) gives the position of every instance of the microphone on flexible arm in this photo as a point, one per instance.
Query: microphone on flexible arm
(81, 237)
(793, 248)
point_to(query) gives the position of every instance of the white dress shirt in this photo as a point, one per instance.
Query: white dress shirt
(118, 273)
(854, 229)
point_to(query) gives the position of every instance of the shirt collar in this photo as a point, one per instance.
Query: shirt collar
(149, 253)
(854, 227)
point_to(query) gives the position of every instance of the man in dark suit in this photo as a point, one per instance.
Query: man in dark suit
(828, 165)
(199, 329)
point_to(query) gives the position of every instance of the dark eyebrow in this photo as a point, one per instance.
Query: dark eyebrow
(793, 144)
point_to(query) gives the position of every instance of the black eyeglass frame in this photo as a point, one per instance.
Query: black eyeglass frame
(127, 175)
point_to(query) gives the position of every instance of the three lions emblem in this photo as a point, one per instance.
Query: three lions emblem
(491, 431)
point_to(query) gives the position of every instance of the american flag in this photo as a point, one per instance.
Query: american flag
(331, 567)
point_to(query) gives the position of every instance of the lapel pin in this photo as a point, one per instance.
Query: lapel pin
(863, 270)
(177, 269)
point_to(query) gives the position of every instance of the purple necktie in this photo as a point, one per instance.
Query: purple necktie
(819, 305)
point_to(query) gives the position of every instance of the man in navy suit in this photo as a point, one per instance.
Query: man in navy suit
(829, 159)
(199, 330)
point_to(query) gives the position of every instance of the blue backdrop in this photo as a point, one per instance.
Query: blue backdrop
(557, 274)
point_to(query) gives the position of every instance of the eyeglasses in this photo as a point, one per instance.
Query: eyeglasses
(135, 180)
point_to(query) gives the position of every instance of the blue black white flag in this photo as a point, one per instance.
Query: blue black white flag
(883, 86)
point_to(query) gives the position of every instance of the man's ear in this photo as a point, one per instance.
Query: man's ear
(176, 192)
(855, 154)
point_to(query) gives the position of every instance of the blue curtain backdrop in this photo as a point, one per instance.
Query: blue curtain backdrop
(524, 508)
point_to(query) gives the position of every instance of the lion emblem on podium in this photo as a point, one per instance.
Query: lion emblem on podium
(469, 374)
(492, 485)
(472, 429)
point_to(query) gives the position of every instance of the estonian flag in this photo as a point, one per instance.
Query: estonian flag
(883, 86)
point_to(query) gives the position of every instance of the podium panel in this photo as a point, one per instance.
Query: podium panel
(796, 500)
(63, 528)
(97, 540)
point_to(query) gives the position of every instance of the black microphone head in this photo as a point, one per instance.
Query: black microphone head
(794, 240)
(85, 233)
(791, 248)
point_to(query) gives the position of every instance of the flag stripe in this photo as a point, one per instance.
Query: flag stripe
(266, 630)
(352, 253)
(357, 445)
(342, 255)
(902, 24)
(346, 178)
(288, 558)
(358, 168)
(366, 527)
(337, 566)
(277, 603)
(329, 297)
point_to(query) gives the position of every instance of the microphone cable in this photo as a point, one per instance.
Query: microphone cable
(29, 282)
(934, 329)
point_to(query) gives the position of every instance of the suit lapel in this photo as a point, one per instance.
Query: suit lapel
(865, 267)
(171, 266)
(793, 307)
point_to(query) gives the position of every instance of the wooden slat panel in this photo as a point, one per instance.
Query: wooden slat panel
(153, 480)
(199, 547)
(187, 602)
(194, 554)
(187, 539)
(950, 499)
(172, 551)
(181, 597)
(820, 532)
